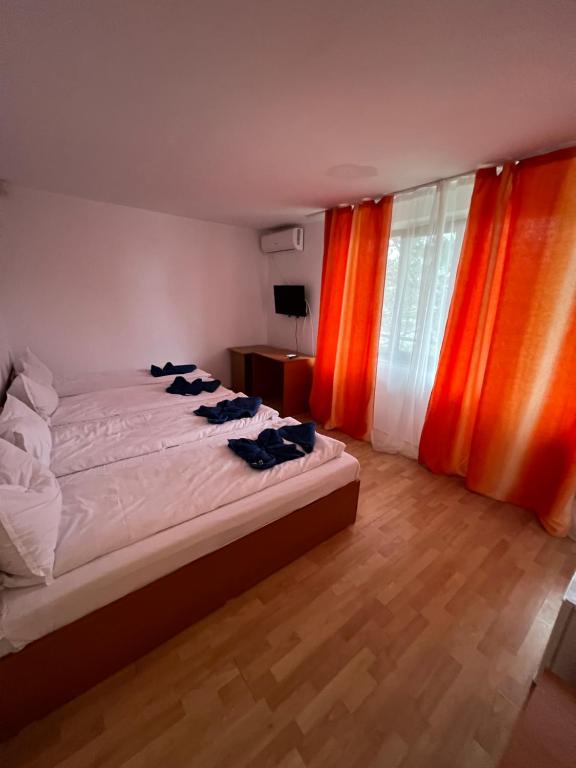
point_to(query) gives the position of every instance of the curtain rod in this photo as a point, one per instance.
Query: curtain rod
(402, 191)
(445, 178)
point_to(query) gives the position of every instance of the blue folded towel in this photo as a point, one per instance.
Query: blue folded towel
(303, 435)
(182, 387)
(229, 410)
(171, 370)
(269, 448)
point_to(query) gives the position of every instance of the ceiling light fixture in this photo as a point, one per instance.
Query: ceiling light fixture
(352, 171)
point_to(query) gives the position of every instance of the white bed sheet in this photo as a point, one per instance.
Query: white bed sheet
(66, 386)
(124, 400)
(30, 613)
(114, 506)
(87, 444)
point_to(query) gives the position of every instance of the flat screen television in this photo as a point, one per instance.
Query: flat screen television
(290, 300)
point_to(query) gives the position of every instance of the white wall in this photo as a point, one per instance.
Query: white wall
(95, 286)
(304, 268)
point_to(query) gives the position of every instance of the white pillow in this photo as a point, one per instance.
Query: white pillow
(30, 510)
(33, 367)
(43, 398)
(25, 429)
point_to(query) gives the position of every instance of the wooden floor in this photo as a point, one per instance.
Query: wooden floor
(408, 640)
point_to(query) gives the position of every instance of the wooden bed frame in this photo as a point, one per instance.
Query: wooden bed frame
(61, 665)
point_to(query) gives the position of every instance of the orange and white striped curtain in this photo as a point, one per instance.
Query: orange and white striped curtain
(355, 248)
(503, 407)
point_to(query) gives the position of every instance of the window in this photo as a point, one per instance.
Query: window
(425, 241)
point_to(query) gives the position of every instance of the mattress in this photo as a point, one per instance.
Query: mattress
(30, 613)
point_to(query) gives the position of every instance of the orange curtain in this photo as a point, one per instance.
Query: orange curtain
(355, 248)
(503, 410)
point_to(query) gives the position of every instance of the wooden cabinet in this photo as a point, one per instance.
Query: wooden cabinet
(283, 383)
(545, 733)
(560, 654)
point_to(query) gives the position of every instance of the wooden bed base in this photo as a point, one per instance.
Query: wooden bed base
(61, 665)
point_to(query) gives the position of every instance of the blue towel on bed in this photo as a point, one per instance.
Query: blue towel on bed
(303, 435)
(182, 387)
(269, 448)
(229, 410)
(171, 370)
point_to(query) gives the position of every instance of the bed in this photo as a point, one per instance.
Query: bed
(132, 437)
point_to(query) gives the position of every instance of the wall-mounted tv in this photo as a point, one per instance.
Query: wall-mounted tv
(290, 300)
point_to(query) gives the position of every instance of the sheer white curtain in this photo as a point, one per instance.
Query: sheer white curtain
(425, 241)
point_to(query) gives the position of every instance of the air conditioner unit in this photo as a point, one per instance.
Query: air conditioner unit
(291, 239)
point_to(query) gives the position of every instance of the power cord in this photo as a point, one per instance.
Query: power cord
(296, 333)
(311, 316)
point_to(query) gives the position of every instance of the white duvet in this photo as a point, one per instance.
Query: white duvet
(119, 401)
(88, 444)
(111, 507)
(66, 386)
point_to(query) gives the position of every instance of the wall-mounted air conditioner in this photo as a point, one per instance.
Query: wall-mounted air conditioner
(290, 239)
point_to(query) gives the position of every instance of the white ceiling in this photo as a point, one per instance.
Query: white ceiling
(236, 110)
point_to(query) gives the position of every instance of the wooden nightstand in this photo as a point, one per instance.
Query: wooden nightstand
(284, 383)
